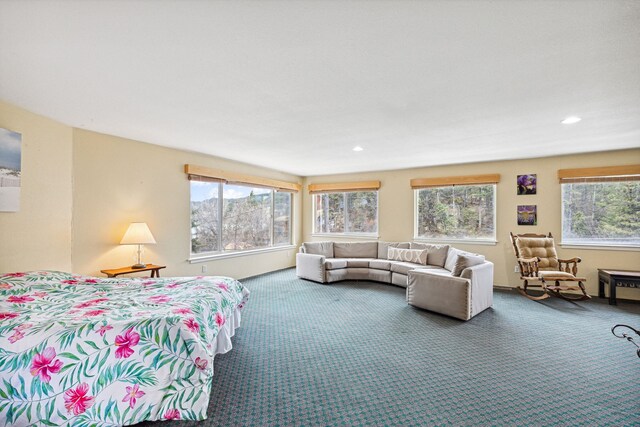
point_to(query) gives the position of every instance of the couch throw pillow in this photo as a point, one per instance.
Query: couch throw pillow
(437, 254)
(466, 261)
(417, 256)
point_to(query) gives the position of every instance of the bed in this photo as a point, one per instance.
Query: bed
(80, 351)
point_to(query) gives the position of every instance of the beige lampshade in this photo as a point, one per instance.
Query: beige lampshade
(138, 233)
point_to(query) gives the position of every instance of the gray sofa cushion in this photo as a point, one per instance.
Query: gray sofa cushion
(403, 267)
(358, 262)
(355, 249)
(335, 263)
(319, 248)
(437, 253)
(466, 261)
(383, 248)
(452, 258)
(380, 264)
(417, 256)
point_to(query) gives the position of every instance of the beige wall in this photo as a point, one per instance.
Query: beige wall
(38, 236)
(396, 201)
(118, 181)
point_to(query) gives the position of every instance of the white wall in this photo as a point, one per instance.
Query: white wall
(38, 236)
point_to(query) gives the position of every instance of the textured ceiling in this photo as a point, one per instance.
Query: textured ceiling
(295, 85)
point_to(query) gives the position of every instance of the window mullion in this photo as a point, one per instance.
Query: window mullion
(273, 217)
(220, 211)
(345, 212)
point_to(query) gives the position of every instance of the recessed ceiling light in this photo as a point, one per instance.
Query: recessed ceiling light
(571, 120)
(357, 148)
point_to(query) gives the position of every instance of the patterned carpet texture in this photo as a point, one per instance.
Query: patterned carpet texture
(355, 354)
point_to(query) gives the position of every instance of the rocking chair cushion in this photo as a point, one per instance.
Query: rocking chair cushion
(562, 274)
(543, 248)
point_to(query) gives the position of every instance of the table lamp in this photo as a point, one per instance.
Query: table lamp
(139, 234)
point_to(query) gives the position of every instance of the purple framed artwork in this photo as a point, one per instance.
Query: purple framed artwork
(527, 184)
(527, 214)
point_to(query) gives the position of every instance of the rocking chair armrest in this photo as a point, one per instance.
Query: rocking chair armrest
(570, 265)
(571, 260)
(528, 266)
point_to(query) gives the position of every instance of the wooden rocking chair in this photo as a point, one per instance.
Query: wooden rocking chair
(539, 263)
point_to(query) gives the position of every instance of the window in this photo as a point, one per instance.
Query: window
(352, 212)
(601, 213)
(231, 218)
(456, 213)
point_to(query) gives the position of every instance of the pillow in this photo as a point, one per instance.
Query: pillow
(466, 261)
(416, 256)
(437, 253)
(383, 248)
(319, 248)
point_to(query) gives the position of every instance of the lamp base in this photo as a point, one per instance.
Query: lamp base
(139, 266)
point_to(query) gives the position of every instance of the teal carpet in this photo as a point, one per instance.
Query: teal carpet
(355, 354)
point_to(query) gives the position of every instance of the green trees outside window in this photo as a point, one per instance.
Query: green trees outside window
(354, 212)
(456, 212)
(233, 218)
(601, 213)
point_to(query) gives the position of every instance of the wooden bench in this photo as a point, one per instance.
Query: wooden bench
(623, 278)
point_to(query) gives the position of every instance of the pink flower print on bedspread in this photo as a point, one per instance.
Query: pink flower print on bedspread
(5, 315)
(182, 310)
(159, 299)
(77, 400)
(220, 319)
(201, 363)
(133, 393)
(17, 336)
(223, 286)
(192, 325)
(91, 302)
(103, 329)
(44, 363)
(172, 414)
(22, 299)
(125, 342)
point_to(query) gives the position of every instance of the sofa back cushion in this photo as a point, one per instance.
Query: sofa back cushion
(417, 256)
(465, 261)
(383, 248)
(437, 253)
(452, 258)
(319, 248)
(355, 249)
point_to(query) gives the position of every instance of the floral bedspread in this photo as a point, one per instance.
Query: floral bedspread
(81, 351)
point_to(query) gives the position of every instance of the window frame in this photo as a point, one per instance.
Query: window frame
(488, 241)
(588, 243)
(204, 256)
(350, 234)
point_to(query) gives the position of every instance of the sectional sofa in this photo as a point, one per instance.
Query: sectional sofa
(438, 278)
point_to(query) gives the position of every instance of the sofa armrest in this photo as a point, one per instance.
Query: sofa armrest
(481, 277)
(448, 295)
(310, 266)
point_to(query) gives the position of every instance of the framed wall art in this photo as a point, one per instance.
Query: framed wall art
(10, 170)
(527, 184)
(527, 214)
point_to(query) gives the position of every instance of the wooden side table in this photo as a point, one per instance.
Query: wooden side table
(625, 278)
(114, 272)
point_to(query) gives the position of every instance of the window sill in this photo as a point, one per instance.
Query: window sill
(217, 256)
(456, 241)
(347, 236)
(599, 247)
